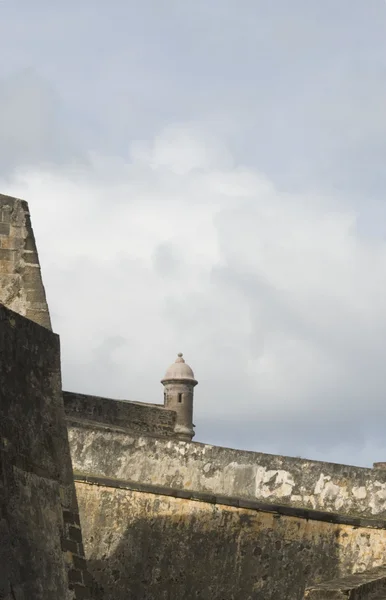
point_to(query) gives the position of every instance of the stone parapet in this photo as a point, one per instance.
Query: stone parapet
(94, 412)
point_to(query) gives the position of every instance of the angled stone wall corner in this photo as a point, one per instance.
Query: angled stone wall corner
(21, 284)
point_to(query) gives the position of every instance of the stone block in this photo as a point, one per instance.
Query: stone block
(5, 213)
(7, 254)
(11, 243)
(31, 276)
(7, 267)
(79, 563)
(35, 295)
(70, 517)
(81, 592)
(69, 546)
(75, 576)
(75, 534)
(31, 258)
(4, 228)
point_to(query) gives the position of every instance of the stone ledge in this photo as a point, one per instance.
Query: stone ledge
(280, 510)
(367, 585)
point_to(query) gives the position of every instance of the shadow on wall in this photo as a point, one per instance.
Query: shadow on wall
(146, 547)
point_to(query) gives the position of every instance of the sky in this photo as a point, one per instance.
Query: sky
(209, 178)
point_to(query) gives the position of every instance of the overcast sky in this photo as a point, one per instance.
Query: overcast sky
(210, 178)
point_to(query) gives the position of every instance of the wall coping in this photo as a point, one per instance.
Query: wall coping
(118, 400)
(360, 586)
(277, 509)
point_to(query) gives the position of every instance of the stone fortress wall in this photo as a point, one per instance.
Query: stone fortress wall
(158, 544)
(161, 517)
(268, 526)
(41, 549)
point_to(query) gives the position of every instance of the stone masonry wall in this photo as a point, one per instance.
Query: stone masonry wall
(41, 550)
(150, 419)
(338, 489)
(151, 546)
(213, 522)
(21, 285)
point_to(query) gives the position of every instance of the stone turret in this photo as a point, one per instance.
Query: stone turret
(179, 384)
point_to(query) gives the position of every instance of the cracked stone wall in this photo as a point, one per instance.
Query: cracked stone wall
(41, 549)
(21, 285)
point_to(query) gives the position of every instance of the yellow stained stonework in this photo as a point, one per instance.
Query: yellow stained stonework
(247, 549)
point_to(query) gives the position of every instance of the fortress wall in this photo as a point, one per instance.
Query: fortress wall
(133, 416)
(152, 546)
(21, 285)
(41, 551)
(352, 491)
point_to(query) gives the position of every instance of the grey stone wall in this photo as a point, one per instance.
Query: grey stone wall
(41, 550)
(21, 285)
(151, 546)
(95, 412)
(295, 482)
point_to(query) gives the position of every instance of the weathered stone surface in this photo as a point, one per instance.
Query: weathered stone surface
(38, 507)
(130, 416)
(149, 546)
(267, 525)
(337, 525)
(368, 585)
(278, 509)
(342, 489)
(21, 285)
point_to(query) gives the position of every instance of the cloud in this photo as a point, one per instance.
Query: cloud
(31, 123)
(211, 179)
(275, 299)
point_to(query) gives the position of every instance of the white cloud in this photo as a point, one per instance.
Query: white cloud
(180, 150)
(178, 241)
